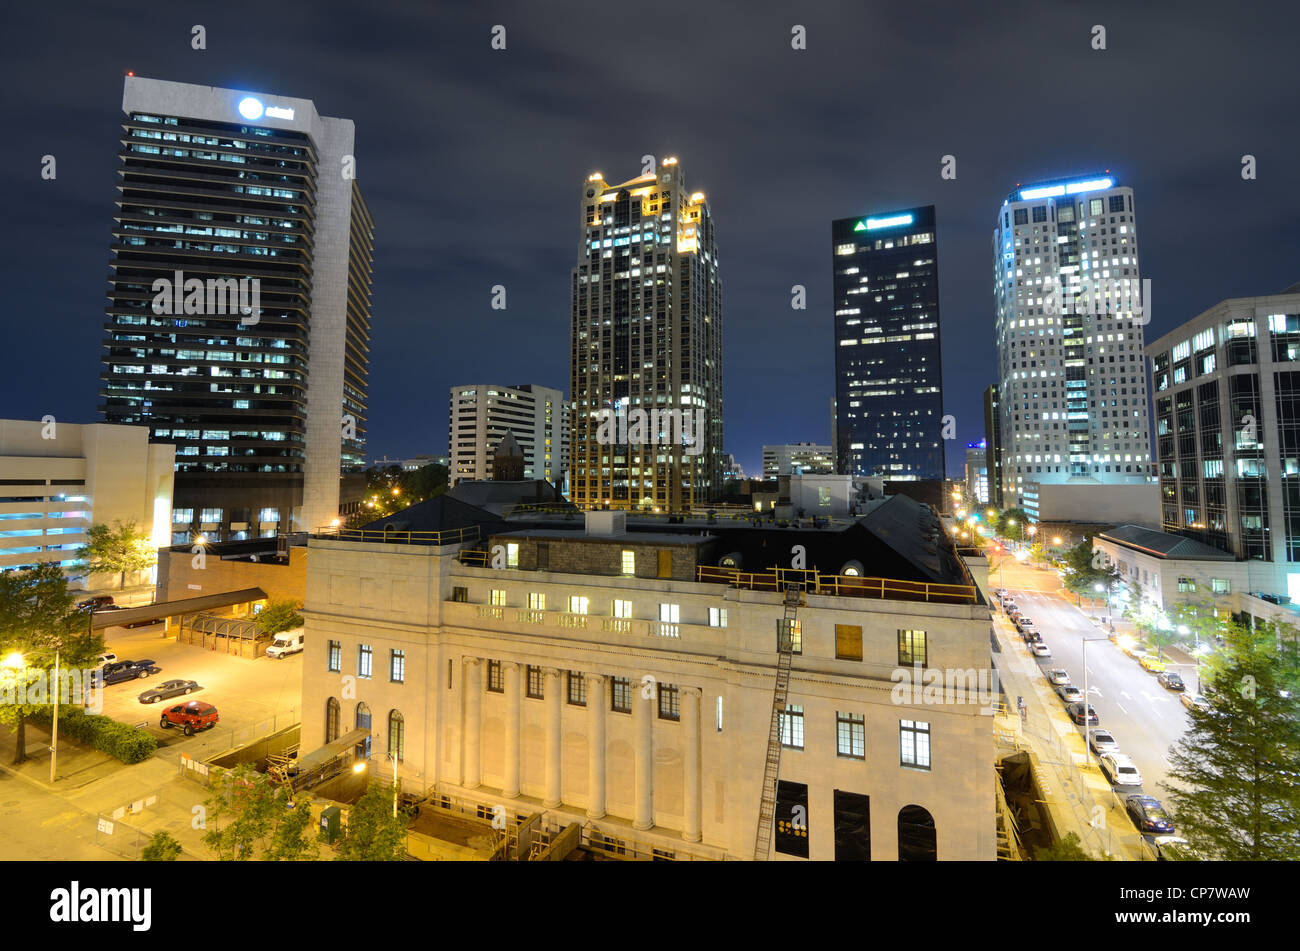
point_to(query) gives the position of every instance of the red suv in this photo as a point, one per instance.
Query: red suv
(190, 717)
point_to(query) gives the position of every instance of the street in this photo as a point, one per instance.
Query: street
(1144, 717)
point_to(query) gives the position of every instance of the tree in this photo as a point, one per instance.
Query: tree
(290, 840)
(279, 616)
(1069, 849)
(374, 834)
(121, 548)
(1233, 783)
(247, 803)
(36, 619)
(163, 847)
(1084, 571)
(1006, 529)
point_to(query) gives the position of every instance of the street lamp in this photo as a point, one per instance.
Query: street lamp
(1087, 756)
(16, 661)
(1099, 589)
(360, 767)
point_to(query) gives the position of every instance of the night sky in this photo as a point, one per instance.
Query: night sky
(471, 160)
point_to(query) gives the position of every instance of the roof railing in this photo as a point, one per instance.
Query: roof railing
(842, 586)
(451, 536)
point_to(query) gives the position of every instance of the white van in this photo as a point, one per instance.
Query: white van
(289, 642)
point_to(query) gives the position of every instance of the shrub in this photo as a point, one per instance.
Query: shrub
(163, 847)
(104, 734)
(279, 616)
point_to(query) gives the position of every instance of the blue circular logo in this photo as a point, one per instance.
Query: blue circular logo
(250, 108)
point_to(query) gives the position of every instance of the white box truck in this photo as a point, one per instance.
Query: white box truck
(289, 642)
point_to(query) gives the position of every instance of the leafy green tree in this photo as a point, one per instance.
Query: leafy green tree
(279, 616)
(290, 839)
(1084, 571)
(1019, 530)
(163, 847)
(121, 548)
(373, 833)
(242, 810)
(1234, 787)
(36, 619)
(1069, 849)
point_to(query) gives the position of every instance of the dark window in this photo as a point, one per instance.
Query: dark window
(460, 594)
(791, 833)
(397, 667)
(1116, 203)
(1022, 216)
(1040, 213)
(669, 702)
(332, 712)
(620, 695)
(916, 835)
(536, 685)
(364, 660)
(852, 827)
(335, 661)
(495, 681)
(577, 683)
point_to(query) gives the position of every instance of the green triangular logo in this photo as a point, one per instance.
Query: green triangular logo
(861, 226)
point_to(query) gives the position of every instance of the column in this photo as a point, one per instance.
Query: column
(554, 708)
(596, 745)
(690, 697)
(471, 729)
(643, 721)
(510, 784)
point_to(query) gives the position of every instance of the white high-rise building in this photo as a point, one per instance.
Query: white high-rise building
(1070, 313)
(481, 414)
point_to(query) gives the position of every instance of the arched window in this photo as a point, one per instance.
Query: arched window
(396, 736)
(363, 723)
(332, 716)
(916, 836)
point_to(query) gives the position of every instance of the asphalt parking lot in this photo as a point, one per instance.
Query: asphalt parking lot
(248, 693)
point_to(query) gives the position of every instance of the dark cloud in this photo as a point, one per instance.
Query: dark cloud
(471, 159)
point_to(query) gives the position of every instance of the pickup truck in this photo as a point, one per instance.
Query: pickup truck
(122, 670)
(190, 717)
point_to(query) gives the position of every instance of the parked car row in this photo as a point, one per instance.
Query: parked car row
(192, 716)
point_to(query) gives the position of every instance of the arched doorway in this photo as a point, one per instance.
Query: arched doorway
(916, 835)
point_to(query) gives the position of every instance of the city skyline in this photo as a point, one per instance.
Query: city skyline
(414, 171)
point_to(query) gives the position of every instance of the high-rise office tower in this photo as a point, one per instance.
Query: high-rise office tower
(238, 321)
(1069, 312)
(482, 413)
(993, 444)
(646, 346)
(1227, 405)
(888, 374)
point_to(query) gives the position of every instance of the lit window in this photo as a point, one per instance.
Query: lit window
(498, 597)
(717, 617)
(577, 604)
(622, 609)
(914, 743)
(537, 600)
(629, 562)
(850, 735)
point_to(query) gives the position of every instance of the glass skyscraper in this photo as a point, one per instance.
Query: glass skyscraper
(888, 372)
(238, 321)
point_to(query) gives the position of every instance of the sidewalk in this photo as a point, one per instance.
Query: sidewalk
(149, 797)
(1079, 800)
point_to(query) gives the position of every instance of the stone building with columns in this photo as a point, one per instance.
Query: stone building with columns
(621, 674)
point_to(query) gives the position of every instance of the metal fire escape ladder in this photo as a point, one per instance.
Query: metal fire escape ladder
(772, 766)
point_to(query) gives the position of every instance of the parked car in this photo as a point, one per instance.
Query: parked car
(105, 659)
(1040, 649)
(95, 603)
(122, 670)
(290, 642)
(1171, 681)
(1152, 663)
(1075, 711)
(1027, 634)
(168, 689)
(145, 623)
(1147, 814)
(1057, 676)
(1164, 848)
(1102, 741)
(1191, 700)
(1120, 770)
(190, 717)
(1134, 650)
(1023, 622)
(1033, 637)
(1069, 693)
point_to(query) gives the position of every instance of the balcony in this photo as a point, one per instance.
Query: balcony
(487, 610)
(530, 617)
(576, 622)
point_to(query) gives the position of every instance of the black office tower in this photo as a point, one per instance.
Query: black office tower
(888, 375)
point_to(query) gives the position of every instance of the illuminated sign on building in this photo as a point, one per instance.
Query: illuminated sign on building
(1070, 188)
(251, 108)
(893, 221)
